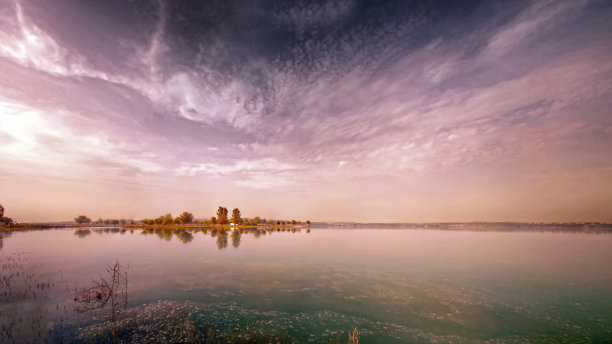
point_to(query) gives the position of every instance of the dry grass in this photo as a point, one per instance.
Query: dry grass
(103, 291)
(354, 337)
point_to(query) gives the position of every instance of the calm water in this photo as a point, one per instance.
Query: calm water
(394, 286)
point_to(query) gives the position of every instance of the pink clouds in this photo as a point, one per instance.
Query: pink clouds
(506, 119)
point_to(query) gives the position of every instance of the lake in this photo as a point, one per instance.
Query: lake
(392, 285)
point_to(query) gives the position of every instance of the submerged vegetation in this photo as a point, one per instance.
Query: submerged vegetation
(162, 322)
(100, 313)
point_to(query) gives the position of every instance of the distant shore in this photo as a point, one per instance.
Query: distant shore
(468, 226)
(36, 226)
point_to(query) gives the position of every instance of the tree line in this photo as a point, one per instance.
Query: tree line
(183, 219)
(82, 219)
(222, 218)
(186, 217)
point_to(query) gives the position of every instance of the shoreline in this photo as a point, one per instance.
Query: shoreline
(27, 226)
(588, 227)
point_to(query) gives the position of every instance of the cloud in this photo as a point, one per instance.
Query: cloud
(304, 16)
(532, 23)
(257, 174)
(45, 140)
(307, 95)
(31, 47)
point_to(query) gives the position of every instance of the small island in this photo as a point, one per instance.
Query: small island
(222, 220)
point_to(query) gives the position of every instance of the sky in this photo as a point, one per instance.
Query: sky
(342, 110)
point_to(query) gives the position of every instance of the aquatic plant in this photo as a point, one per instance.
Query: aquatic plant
(354, 337)
(111, 292)
(104, 291)
(22, 291)
(166, 322)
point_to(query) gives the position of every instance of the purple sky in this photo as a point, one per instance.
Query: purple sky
(332, 111)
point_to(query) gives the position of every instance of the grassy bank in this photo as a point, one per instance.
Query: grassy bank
(24, 226)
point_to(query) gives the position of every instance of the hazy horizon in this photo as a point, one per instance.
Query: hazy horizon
(396, 111)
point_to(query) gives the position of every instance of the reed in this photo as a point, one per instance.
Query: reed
(354, 337)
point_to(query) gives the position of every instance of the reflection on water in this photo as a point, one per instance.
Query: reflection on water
(236, 237)
(186, 235)
(394, 286)
(81, 233)
(2, 236)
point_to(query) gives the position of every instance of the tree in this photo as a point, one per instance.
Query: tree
(213, 220)
(185, 218)
(82, 219)
(222, 216)
(167, 219)
(236, 216)
(3, 219)
(308, 222)
(293, 222)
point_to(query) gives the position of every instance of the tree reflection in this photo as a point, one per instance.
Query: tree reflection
(184, 236)
(236, 234)
(2, 236)
(81, 233)
(165, 234)
(257, 233)
(222, 239)
(187, 235)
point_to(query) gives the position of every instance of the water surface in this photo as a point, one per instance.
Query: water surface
(393, 285)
